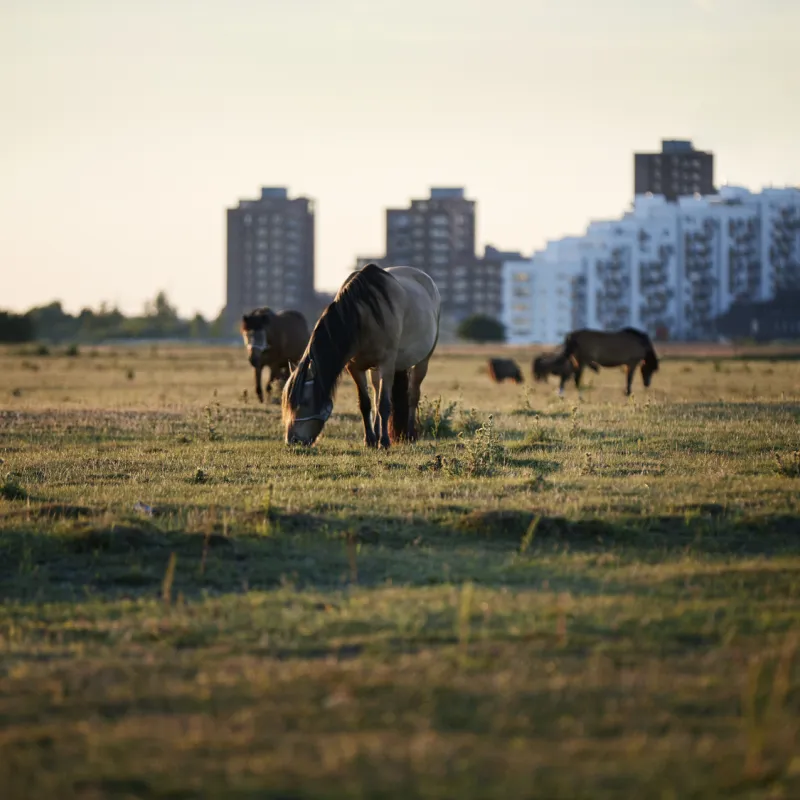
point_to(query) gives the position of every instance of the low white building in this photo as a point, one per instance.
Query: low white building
(539, 294)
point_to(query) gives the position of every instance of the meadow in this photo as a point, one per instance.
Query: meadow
(580, 597)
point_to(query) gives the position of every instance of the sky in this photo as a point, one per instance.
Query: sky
(129, 126)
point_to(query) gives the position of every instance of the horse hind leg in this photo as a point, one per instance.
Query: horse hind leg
(398, 421)
(418, 374)
(385, 407)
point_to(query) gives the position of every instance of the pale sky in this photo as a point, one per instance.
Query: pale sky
(129, 126)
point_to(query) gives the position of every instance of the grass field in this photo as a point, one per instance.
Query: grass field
(552, 598)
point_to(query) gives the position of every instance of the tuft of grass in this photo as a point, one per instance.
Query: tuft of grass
(525, 407)
(480, 455)
(169, 579)
(11, 488)
(436, 419)
(788, 465)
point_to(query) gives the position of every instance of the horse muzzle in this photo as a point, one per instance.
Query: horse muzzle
(255, 355)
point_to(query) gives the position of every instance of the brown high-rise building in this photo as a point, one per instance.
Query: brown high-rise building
(438, 236)
(678, 170)
(271, 254)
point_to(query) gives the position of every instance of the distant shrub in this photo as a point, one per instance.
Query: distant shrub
(72, 351)
(480, 328)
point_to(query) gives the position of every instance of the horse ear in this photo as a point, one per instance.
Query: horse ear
(292, 365)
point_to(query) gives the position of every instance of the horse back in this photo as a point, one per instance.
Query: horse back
(421, 306)
(291, 336)
(608, 348)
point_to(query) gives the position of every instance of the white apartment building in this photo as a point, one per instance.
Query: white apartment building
(667, 268)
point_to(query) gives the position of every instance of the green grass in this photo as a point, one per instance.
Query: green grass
(589, 597)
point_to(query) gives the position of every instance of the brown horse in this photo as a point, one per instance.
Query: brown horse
(502, 368)
(628, 347)
(385, 321)
(273, 340)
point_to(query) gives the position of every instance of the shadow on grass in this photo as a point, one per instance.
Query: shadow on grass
(85, 555)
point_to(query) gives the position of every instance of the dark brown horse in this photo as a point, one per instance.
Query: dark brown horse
(628, 347)
(273, 340)
(502, 368)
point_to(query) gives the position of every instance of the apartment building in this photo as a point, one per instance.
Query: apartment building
(437, 234)
(676, 171)
(672, 269)
(270, 254)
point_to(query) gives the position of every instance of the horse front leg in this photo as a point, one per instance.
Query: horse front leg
(375, 378)
(364, 405)
(630, 371)
(259, 390)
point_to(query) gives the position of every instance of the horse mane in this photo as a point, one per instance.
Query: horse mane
(336, 331)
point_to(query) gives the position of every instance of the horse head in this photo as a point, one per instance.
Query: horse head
(649, 366)
(255, 329)
(305, 410)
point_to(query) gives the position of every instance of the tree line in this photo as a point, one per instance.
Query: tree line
(159, 320)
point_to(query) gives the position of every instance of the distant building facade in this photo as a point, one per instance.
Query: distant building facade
(270, 254)
(763, 322)
(676, 171)
(437, 234)
(672, 269)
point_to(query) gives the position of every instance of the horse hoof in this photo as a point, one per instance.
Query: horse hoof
(370, 442)
(385, 445)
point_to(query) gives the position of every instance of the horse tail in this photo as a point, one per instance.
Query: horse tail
(398, 420)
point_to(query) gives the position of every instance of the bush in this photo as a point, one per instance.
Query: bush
(480, 328)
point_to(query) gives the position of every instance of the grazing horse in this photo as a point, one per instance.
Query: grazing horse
(273, 340)
(628, 347)
(385, 321)
(554, 364)
(502, 368)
